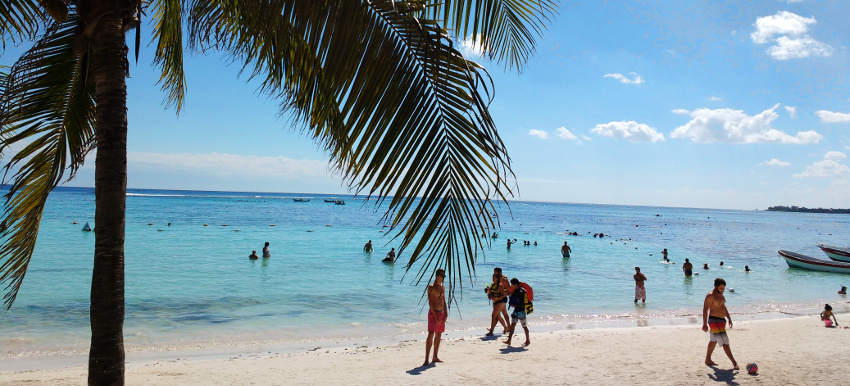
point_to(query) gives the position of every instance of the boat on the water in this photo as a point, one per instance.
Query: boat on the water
(86, 228)
(301, 199)
(797, 260)
(836, 253)
(330, 200)
(339, 202)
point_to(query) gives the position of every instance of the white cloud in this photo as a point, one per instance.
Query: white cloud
(775, 162)
(792, 111)
(470, 49)
(681, 111)
(230, 164)
(824, 169)
(586, 138)
(788, 48)
(830, 166)
(631, 131)
(835, 155)
(714, 99)
(833, 117)
(788, 31)
(734, 126)
(637, 79)
(538, 133)
(566, 134)
(783, 23)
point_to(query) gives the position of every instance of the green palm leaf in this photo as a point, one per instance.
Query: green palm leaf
(48, 110)
(402, 113)
(19, 19)
(504, 30)
(168, 30)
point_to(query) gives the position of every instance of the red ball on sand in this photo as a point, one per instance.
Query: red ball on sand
(752, 368)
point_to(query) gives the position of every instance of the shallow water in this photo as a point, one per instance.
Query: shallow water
(190, 283)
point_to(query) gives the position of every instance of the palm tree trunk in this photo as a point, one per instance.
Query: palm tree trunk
(109, 62)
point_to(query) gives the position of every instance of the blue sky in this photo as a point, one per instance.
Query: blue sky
(738, 105)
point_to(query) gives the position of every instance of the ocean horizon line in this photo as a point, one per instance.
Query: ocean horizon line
(373, 198)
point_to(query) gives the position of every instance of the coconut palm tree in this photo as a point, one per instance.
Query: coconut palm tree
(379, 84)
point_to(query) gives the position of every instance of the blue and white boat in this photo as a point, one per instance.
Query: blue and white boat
(797, 260)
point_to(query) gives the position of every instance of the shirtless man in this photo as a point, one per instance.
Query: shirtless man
(368, 247)
(437, 315)
(565, 250)
(640, 290)
(688, 268)
(714, 315)
(390, 257)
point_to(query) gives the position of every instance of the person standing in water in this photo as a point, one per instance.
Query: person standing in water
(640, 290)
(266, 252)
(253, 255)
(437, 315)
(688, 268)
(664, 253)
(714, 315)
(368, 247)
(565, 250)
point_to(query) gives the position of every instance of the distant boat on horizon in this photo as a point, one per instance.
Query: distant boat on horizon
(339, 202)
(330, 200)
(301, 199)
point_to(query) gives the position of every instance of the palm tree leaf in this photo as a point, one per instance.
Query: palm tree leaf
(168, 31)
(402, 113)
(504, 30)
(19, 20)
(48, 110)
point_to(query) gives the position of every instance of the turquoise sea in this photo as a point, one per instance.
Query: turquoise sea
(190, 285)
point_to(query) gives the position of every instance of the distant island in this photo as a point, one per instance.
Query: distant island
(803, 209)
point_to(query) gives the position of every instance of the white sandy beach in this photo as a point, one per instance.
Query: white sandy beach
(797, 351)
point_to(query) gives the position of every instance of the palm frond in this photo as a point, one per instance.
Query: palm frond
(399, 109)
(504, 30)
(19, 20)
(48, 110)
(168, 30)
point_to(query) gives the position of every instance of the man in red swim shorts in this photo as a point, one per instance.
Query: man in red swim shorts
(437, 315)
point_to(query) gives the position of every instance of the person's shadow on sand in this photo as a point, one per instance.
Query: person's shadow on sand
(512, 349)
(487, 338)
(420, 369)
(721, 375)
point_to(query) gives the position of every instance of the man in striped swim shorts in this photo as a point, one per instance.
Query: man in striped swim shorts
(714, 315)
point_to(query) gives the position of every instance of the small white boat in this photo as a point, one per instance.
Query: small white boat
(836, 253)
(797, 260)
(301, 199)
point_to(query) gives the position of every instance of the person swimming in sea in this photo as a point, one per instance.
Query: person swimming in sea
(843, 290)
(266, 253)
(705, 266)
(253, 255)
